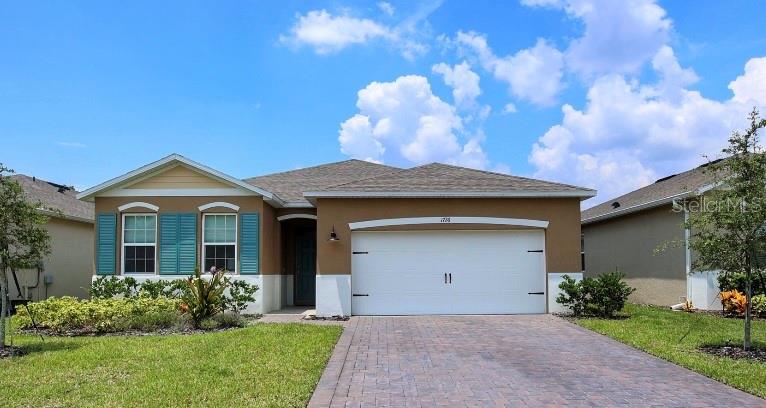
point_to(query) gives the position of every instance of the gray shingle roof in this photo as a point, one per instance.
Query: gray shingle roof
(290, 185)
(444, 178)
(56, 196)
(664, 188)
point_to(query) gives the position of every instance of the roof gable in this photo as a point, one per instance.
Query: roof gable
(178, 176)
(125, 184)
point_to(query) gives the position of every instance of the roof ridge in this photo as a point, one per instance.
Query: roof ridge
(319, 165)
(395, 170)
(494, 173)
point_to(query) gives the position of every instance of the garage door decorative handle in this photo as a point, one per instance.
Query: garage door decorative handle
(450, 278)
(360, 294)
(535, 293)
(445, 278)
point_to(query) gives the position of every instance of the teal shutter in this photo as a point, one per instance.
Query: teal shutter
(178, 243)
(249, 241)
(168, 244)
(187, 243)
(106, 244)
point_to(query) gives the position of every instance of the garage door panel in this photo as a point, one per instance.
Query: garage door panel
(403, 272)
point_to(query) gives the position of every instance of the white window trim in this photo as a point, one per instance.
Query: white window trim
(235, 243)
(124, 244)
(296, 216)
(139, 204)
(218, 204)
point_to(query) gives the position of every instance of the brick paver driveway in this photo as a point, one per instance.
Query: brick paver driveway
(500, 361)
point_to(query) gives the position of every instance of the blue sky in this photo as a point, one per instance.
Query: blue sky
(610, 95)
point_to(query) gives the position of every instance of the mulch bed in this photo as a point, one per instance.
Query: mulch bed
(758, 354)
(11, 351)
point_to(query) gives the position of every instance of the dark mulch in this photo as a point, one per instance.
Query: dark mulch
(11, 351)
(758, 354)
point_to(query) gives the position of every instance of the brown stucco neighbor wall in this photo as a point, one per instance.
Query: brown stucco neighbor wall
(269, 259)
(562, 238)
(630, 244)
(70, 262)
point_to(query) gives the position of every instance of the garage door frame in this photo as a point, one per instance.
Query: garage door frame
(527, 224)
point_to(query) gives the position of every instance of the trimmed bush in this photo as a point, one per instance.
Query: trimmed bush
(72, 315)
(738, 281)
(759, 305)
(602, 296)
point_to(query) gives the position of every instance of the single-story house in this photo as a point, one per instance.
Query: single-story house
(67, 270)
(350, 237)
(642, 235)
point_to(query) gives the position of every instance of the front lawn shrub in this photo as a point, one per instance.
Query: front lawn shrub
(107, 287)
(738, 281)
(240, 293)
(204, 297)
(759, 305)
(602, 296)
(734, 302)
(162, 288)
(72, 315)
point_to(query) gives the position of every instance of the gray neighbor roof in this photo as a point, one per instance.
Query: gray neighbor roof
(56, 196)
(357, 177)
(661, 192)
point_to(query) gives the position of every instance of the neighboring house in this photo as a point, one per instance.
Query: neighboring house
(350, 237)
(642, 235)
(67, 270)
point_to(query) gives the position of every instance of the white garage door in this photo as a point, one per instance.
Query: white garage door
(447, 272)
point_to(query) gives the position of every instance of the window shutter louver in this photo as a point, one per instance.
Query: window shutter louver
(178, 243)
(106, 244)
(249, 241)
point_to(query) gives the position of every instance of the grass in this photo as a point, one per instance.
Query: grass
(264, 365)
(676, 337)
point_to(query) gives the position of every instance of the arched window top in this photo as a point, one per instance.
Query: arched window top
(218, 204)
(138, 204)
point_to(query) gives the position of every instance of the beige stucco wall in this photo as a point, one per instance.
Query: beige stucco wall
(269, 258)
(178, 177)
(562, 238)
(629, 244)
(70, 262)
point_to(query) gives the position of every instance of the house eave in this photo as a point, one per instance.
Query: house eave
(582, 194)
(639, 207)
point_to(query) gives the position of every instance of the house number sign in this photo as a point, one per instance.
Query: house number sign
(446, 220)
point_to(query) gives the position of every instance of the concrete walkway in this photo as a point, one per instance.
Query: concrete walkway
(497, 361)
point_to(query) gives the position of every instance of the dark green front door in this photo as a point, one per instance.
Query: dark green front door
(305, 267)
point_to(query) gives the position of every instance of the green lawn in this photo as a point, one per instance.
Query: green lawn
(269, 365)
(675, 336)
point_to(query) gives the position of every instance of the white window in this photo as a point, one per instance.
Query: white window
(139, 237)
(219, 241)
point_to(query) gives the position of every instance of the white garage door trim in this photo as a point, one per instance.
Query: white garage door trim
(387, 222)
(448, 272)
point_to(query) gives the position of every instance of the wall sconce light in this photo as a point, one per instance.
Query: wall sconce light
(333, 235)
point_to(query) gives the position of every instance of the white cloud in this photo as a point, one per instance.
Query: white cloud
(327, 33)
(509, 108)
(403, 123)
(386, 7)
(751, 86)
(533, 74)
(463, 81)
(619, 36)
(630, 134)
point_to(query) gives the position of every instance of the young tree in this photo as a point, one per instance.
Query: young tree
(23, 239)
(728, 224)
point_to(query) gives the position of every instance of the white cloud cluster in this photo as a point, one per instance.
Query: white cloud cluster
(533, 74)
(403, 122)
(464, 83)
(327, 33)
(619, 36)
(630, 134)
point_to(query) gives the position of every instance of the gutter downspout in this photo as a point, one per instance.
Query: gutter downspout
(687, 250)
